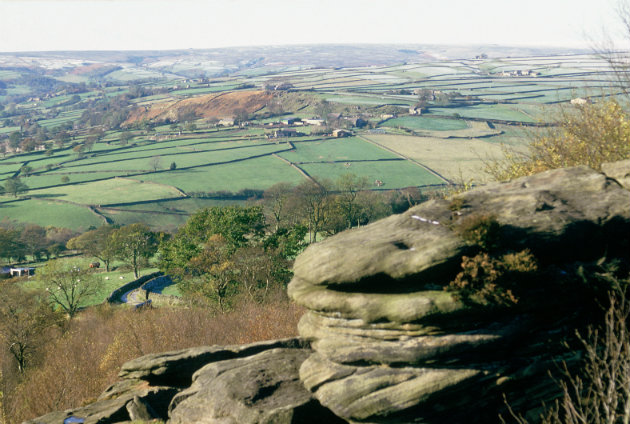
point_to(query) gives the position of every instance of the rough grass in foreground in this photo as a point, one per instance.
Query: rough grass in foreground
(79, 365)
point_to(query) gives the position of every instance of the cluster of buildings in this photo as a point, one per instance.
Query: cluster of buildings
(519, 73)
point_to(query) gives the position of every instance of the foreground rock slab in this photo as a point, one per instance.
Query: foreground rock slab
(264, 388)
(252, 383)
(382, 341)
(392, 346)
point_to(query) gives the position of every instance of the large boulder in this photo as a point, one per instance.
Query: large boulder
(258, 381)
(391, 345)
(264, 388)
(383, 341)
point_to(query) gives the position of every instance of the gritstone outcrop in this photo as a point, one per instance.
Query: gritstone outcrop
(384, 341)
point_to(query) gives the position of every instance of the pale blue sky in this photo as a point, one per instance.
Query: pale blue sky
(30, 25)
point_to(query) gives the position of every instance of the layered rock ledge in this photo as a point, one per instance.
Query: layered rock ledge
(383, 341)
(391, 345)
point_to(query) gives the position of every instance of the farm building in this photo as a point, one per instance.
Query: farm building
(286, 132)
(333, 116)
(415, 110)
(356, 121)
(226, 122)
(291, 121)
(22, 271)
(313, 121)
(580, 101)
(341, 133)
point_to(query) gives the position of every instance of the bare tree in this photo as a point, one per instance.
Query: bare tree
(276, 198)
(313, 202)
(69, 286)
(25, 317)
(155, 163)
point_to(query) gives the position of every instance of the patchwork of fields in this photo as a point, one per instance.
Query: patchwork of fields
(470, 109)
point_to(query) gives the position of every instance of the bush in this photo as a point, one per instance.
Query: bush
(589, 134)
(491, 281)
(483, 231)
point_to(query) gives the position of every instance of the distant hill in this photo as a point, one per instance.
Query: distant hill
(221, 105)
(224, 61)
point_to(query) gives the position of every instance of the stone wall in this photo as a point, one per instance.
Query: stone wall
(115, 296)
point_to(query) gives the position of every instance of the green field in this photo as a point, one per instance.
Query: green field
(259, 173)
(213, 159)
(49, 213)
(339, 149)
(393, 173)
(455, 159)
(8, 130)
(425, 123)
(498, 112)
(115, 190)
(109, 281)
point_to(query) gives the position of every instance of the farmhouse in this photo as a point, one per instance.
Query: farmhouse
(279, 86)
(226, 122)
(356, 121)
(313, 121)
(519, 73)
(341, 133)
(333, 116)
(286, 132)
(22, 271)
(580, 101)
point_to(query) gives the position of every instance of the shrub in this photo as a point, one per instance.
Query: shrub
(480, 230)
(588, 134)
(491, 281)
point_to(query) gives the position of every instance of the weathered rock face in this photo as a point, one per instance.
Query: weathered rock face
(219, 384)
(264, 388)
(392, 346)
(382, 341)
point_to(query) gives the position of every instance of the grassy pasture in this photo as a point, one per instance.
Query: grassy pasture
(48, 213)
(109, 280)
(7, 169)
(142, 161)
(425, 123)
(394, 173)
(343, 149)
(6, 75)
(258, 173)
(500, 112)
(186, 205)
(452, 158)
(61, 119)
(368, 100)
(54, 178)
(115, 190)
(8, 130)
(167, 215)
(475, 129)
(204, 90)
(155, 221)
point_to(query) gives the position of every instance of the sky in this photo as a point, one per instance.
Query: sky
(45, 25)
